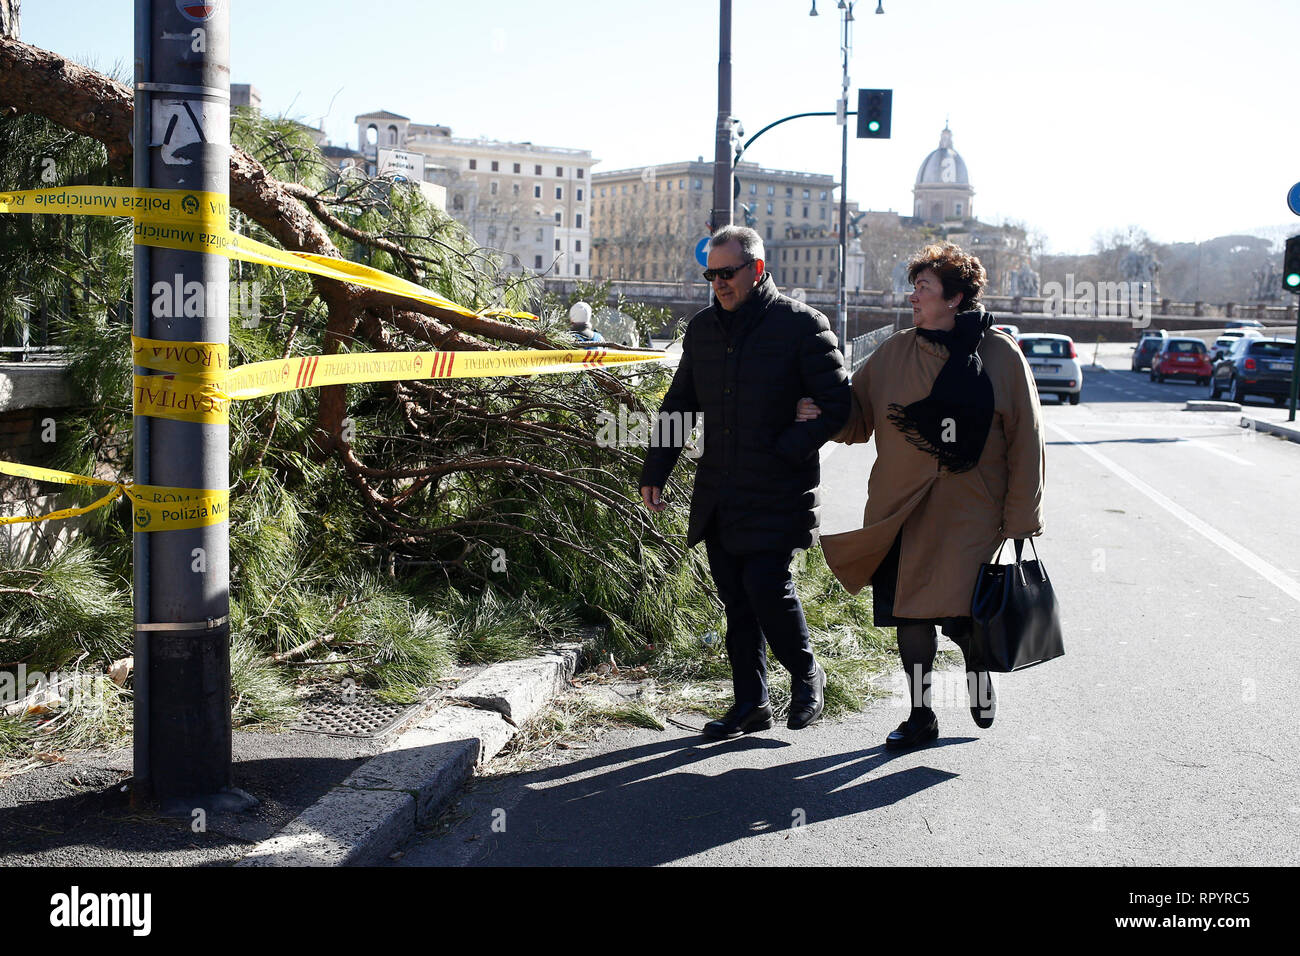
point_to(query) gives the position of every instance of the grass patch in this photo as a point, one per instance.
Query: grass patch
(92, 712)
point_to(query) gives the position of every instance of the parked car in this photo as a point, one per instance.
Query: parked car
(1243, 324)
(1146, 349)
(1224, 343)
(1055, 364)
(1182, 357)
(1011, 330)
(1255, 366)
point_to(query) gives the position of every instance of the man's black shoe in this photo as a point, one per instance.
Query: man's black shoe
(920, 728)
(978, 682)
(741, 719)
(807, 698)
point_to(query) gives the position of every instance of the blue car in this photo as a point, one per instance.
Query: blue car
(1255, 366)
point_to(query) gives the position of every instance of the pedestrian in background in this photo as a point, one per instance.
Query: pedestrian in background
(959, 469)
(746, 360)
(583, 332)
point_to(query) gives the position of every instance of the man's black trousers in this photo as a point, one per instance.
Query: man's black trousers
(762, 607)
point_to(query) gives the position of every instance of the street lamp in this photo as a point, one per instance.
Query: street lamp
(846, 47)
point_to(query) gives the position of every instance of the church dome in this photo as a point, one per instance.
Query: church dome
(943, 166)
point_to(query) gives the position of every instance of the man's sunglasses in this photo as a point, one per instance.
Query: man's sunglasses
(725, 274)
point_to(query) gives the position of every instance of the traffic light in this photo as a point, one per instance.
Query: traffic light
(874, 107)
(1291, 266)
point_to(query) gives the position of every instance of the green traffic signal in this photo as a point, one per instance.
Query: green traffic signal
(1291, 265)
(874, 108)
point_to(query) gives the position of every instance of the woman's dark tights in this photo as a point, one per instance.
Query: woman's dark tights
(917, 645)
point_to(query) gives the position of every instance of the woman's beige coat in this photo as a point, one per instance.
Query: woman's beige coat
(951, 523)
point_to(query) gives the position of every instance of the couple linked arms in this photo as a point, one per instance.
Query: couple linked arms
(821, 371)
(859, 425)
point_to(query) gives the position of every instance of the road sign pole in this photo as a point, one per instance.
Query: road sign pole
(1295, 367)
(182, 579)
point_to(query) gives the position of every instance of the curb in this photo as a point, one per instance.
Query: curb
(377, 808)
(1210, 405)
(1287, 430)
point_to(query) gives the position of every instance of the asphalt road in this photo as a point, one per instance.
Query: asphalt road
(1166, 736)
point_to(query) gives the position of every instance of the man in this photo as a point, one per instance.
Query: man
(746, 361)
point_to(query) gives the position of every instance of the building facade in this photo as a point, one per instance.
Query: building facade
(813, 263)
(647, 221)
(531, 203)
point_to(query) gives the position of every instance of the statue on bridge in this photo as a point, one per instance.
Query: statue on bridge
(1140, 267)
(1024, 282)
(898, 279)
(1268, 282)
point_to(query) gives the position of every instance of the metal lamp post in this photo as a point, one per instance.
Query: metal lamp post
(842, 117)
(722, 177)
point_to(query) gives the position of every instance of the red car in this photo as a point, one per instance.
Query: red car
(1181, 357)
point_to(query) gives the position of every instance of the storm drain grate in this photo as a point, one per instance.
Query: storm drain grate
(355, 719)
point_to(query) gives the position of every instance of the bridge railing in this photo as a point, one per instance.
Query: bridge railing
(861, 347)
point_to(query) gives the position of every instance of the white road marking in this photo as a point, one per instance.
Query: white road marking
(1102, 423)
(1205, 446)
(1286, 584)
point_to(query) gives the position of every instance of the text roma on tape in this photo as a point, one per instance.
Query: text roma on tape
(156, 508)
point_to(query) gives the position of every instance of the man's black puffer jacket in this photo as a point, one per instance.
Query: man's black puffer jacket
(745, 371)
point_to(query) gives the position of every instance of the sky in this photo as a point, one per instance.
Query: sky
(1075, 119)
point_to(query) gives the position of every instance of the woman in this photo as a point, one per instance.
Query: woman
(959, 469)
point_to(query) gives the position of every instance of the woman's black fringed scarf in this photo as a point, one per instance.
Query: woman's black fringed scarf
(952, 422)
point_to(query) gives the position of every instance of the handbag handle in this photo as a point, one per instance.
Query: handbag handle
(1019, 546)
(1020, 549)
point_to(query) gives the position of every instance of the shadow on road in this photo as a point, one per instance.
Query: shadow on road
(654, 808)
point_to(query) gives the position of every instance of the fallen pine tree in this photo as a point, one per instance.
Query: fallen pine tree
(378, 532)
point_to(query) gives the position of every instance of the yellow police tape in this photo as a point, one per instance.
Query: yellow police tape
(199, 222)
(156, 508)
(200, 385)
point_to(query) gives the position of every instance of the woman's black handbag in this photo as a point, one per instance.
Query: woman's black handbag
(1016, 620)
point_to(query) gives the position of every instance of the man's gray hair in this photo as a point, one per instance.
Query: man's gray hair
(751, 243)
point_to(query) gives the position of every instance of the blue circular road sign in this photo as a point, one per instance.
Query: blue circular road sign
(702, 250)
(1293, 199)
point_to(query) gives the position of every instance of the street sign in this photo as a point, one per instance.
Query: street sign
(702, 252)
(401, 165)
(1293, 199)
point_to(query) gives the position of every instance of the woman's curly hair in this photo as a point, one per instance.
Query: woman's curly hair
(957, 271)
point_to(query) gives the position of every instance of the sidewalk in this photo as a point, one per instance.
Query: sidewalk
(1273, 421)
(323, 800)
